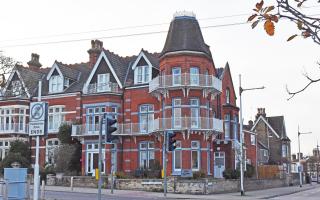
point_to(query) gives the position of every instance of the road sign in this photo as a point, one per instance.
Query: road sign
(38, 118)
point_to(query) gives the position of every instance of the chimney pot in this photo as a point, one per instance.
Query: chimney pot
(94, 52)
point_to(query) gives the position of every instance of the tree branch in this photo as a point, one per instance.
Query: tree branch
(311, 81)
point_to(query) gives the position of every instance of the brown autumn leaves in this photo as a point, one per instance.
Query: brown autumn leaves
(267, 15)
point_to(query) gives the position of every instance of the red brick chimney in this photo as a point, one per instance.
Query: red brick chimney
(34, 63)
(261, 111)
(94, 52)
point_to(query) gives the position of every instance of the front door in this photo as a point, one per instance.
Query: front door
(92, 163)
(219, 164)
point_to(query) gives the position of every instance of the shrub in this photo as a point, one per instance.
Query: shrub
(63, 157)
(231, 174)
(250, 171)
(64, 134)
(199, 174)
(121, 175)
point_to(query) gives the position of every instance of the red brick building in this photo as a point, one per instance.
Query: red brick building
(178, 90)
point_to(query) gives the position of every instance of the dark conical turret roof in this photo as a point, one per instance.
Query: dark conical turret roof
(185, 35)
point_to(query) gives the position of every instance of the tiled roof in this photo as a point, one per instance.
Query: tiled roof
(67, 71)
(277, 123)
(153, 58)
(30, 78)
(185, 35)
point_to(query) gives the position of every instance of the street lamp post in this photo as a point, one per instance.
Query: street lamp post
(299, 156)
(241, 134)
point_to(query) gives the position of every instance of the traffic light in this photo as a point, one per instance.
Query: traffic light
(171, 141)
(110, 129)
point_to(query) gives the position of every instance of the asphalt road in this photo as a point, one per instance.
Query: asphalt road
(57, 195)
(305, 195)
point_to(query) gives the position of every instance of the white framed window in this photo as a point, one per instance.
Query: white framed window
(194, 76)
(177, 157)
(227, 96)
(66, 82)
(13, 119)
(176, 113)
(253, 139)
(56, 117)
(51, 147)
(235, 127)
(195, 155)
(146, 118)
(142, 74)
(176, 76)
(16, 87)
(4, 148)
(92, 158)
(55, 84)
(284, 150)
(146, 155)
(195, 111)
(93, 117)
(103, 82)
(227, 126)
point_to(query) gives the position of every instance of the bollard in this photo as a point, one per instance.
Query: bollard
(71, 183)
(42, 190)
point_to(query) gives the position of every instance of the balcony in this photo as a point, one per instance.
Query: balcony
(208, 83)
(157, 125)
(20, 128)
(100, 88)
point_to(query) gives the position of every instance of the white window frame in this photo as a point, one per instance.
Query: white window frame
(146, 110)
(227, 126)
(142, 74)
(12, 121)
(195, 110)
(177, 112)
(51, 146)
(253, 139)
(195, 147)
(178, 149)
(93, 117)
(194, 75)
(147, 148)
(284, 149)
(176, 76)
(4, 148)
(92, 148)
(55, 84)
(56, 117)
(16, 87)
(103, 82)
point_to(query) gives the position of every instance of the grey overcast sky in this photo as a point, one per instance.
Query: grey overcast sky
(262, 60)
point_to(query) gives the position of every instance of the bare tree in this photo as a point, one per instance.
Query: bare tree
(308, 25)
(6, 65)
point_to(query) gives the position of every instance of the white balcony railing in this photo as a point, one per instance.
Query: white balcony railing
(14, 128)
(195, 81)
(160, 124)
(104, 87)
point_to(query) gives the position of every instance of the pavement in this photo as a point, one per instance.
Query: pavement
(65, 193)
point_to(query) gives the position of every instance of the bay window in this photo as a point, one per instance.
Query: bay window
(227, 126)
(93, 118)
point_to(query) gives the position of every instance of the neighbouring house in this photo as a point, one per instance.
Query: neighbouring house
(273, 144)
(178, 89)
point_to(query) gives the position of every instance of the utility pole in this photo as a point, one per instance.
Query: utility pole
(241, 136)
(101, 118)
(299, 155)
(318, 162)
(165, 164)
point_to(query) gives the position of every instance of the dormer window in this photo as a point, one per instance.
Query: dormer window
(103, 82)
(142, 74)
(16, 88)
(66, 83)
(55, 84)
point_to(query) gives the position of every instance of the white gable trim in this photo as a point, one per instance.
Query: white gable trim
(9, 81)
(141, 54)
(265, 121)
(54, 66)
(102, 56)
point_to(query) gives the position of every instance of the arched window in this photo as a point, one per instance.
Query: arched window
(227, 95)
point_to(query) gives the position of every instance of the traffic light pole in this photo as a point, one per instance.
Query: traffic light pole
(165, 163)
(101, 118)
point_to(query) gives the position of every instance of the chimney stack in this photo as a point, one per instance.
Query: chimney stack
(94, 52)
(34, 63)
(261, 111)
